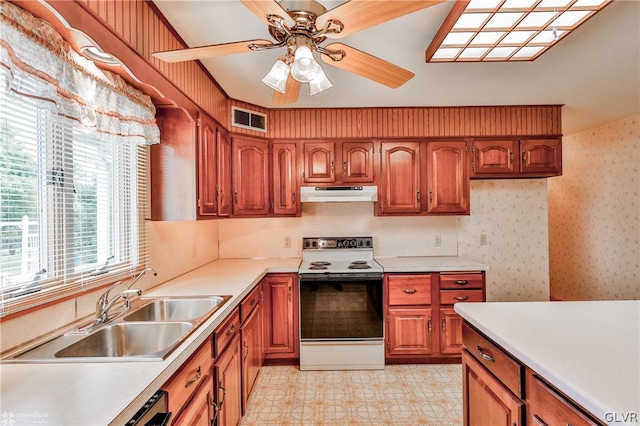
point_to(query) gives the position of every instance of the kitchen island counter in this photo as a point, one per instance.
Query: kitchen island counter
(429, 264)
(111, 393)
(588, 350)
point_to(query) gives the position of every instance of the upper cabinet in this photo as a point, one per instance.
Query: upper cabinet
(514, 157)
(250, 177)
(447, 177)
(214, 169)
(400, 177)
(285, 186)
(336, 162)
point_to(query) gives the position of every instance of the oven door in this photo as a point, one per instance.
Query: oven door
(341, 307)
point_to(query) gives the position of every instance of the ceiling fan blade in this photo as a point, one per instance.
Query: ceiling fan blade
(264, 8)
(290, 96)
(357, 15)
(369, 66)
(207, 51)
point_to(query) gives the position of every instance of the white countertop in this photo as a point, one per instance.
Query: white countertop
(588, 350)
(111, 393)
(429, 264)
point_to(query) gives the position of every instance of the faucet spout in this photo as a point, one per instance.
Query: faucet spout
(103, 316)
(144, 271)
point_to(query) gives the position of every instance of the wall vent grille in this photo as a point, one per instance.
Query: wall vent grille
(248, 119)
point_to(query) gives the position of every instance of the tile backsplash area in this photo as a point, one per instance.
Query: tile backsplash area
(393, 236)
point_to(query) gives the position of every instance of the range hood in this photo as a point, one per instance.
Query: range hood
(338, 194)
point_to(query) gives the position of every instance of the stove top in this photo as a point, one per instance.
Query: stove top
(339, 255)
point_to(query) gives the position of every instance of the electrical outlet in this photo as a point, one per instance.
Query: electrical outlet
(438, 241)
(287, 242)
(483, 239)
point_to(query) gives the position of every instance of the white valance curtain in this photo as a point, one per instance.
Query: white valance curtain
(42, 65)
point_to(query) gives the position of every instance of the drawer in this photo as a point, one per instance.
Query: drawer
(458, 281)
(249, 303)
(226, 332)
(409, 289)
(185, 382)
(449, 297)
(498, 362)
(546, 407)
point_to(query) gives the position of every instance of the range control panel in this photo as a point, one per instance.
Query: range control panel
(338, 243)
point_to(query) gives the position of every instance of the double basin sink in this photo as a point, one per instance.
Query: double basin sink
(146, 333)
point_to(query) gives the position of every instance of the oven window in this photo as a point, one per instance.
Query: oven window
(341, 309)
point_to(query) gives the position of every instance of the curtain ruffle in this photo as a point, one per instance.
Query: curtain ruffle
(43, 66)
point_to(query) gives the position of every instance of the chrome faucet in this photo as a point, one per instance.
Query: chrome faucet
(144, 271)
(103, 315)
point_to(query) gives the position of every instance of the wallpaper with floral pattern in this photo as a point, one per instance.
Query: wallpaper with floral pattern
(594, 214)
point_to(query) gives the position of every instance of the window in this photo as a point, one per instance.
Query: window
(71, 204)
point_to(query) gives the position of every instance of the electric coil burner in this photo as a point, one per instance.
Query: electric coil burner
(341, 325)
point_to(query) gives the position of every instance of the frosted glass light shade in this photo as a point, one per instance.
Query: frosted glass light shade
(319, 83)
(304, 67)
(276, 78)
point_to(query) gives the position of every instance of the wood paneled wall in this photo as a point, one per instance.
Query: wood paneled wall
(138, 23)
(414, 122)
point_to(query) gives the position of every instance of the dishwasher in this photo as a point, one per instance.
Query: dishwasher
(154, 412)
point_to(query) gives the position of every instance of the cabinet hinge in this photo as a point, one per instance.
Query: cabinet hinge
(198, 122)
(199, 204)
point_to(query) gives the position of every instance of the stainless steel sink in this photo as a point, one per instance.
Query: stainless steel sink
(149, 332)
(147, 340)
(176, 309)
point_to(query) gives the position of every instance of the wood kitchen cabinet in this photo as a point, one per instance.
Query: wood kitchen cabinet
(338, 162)
(399, 190)
(214, 169)
(190, 388)
(250, 177)
(409, 316)
(251, 335)
(516, 157)
(280, 310)
(285, 185)
(447, 177)
(228, 385)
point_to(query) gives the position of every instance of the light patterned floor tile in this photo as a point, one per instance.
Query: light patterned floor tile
(427, 394)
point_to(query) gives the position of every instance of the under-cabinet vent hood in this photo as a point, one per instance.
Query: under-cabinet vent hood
(338, 194)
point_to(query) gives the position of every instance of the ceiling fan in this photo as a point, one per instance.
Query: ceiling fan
(301, 27)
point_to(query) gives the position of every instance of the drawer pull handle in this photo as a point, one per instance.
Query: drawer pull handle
(230, 330)
(539, 421)
(461, 282)
(461, 297)
(195, 378)
(252, 302)
(485, 355)
(410, 290)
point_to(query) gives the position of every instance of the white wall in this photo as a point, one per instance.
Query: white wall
(594, 214)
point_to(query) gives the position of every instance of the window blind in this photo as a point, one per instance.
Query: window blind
(72, 203)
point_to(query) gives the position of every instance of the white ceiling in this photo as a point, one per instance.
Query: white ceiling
(594, 72)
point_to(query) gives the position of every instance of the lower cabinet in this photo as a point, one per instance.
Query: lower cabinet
(199, 412)
(228, 386)
(252, 347)
(410, 332)
(281, 336)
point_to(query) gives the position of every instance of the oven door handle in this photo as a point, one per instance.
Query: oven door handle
(339, 277)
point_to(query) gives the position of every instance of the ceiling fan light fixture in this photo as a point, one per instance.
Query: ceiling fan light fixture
(319, 84)
(276, 78)
(304, 67)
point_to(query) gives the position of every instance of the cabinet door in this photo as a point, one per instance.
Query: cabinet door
(207, 167)
(400, 178)
(281, 316)
(493, 157)
(224, 173)
(319, 162)
(199, 412)
(250, 177)
(485, 400)
(447, 178)
(410, 331)
(228, 386)
(251, 335)
(541, 156)
(357, 162)
(285, 179)
(450, 331)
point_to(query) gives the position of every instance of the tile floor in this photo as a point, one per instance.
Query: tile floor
(427, 394)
